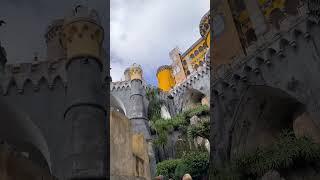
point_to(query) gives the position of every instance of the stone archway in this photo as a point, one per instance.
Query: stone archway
(117, 104)
(192, 98)
(23, 149)
(262, 114)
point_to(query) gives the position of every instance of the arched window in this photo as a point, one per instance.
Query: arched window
(200, 48)
(184, 62)
(196, 52)
(192, 56)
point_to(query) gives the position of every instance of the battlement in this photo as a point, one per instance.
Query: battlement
(274, 46)
(194, 77)
(125, 85)
(48, 72)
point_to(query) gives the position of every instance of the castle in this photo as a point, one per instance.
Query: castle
(54, 110)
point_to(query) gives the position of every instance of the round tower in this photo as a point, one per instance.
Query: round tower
(204, 28)
(55, 51)
(138, 112)
(165, 78)
(82, 39)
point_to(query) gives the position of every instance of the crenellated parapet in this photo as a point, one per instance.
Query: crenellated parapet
(275, 46)
(18, 75)
(120, 85)
(125, 85)
(196, 80)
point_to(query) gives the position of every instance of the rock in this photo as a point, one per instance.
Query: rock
(194, 120)
(271, 175)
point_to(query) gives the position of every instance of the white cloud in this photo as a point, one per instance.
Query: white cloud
(144, 31)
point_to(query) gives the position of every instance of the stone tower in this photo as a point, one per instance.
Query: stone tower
(138, 116)
(139, 119)
(82, 39)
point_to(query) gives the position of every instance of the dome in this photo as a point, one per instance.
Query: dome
(205, 24)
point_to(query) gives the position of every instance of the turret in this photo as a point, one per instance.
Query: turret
(55, 51)
(82, 39)
(165, 78)
(139, 119)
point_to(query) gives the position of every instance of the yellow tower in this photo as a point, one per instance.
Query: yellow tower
(135, 72)
(82, 35)
(165, 78)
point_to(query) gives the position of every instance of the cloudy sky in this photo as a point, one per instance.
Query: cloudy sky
(144, 32)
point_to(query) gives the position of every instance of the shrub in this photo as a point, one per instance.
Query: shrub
(195, 163)
(167, 168)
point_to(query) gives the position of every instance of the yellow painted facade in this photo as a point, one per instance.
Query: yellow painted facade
(165, 78)
(195, 55)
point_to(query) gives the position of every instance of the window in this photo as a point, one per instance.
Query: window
(196, 52)
(200, 48)
(184, 62)
(192, 56)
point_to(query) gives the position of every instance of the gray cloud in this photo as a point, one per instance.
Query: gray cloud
(144, 32)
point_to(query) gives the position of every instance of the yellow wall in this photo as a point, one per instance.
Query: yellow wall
(165, 80)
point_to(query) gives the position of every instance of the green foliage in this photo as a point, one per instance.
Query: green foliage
(168, 167)
(195, 163)
(285, 153)
(197, 111)
(180, 121)
(201, 129)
